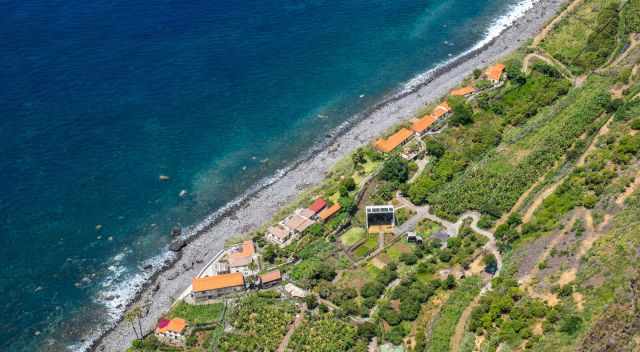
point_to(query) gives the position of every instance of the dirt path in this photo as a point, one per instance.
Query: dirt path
(629, 190)
(564, 71)
(633, 43)
(458, 334)
(421, 165)
(545, 31)
(537, 202)
(581, 161)
(525, 281)
(492, 247)
(296, 323)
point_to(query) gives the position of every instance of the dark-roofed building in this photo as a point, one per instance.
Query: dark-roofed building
(270, 279)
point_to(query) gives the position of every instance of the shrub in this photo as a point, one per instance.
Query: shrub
(513, 68)
(368, 330)
(570, 324)
(324, 334)
(635, 124)
(409, 258)
(490, 263)
(372, 289)
(395, 335)
(395, 169)
(486, 222)
(450, 282)
(462, 112)
(347, 185)
(444, 256)
(435, 148)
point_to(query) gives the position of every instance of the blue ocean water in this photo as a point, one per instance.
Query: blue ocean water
(98, 98)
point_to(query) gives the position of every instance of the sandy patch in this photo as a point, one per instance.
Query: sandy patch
(478, 342)
(580, 80)
(567, 277)
(578, 298)
(378, 263)
(537, 329)
(588, 217)
(551, 298)
(476, 267)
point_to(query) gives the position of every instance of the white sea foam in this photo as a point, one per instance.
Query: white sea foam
(118, 289)
(121, 286)
(515, 12)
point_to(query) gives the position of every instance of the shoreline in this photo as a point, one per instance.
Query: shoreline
(261, 202)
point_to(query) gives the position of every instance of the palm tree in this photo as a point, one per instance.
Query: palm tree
(137, 312)
(130, 317)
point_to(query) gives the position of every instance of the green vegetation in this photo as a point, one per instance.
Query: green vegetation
(445, 323)
(367, 247)
(326, 334)
(586, 39)
(521, 102)
(352, 236)
(631, 16)
(258, 324)
(494, 184)
(200, 314)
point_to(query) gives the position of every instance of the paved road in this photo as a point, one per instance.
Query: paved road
(423, 212)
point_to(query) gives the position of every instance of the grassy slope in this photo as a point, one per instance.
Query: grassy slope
(494, 184)
(445, 323)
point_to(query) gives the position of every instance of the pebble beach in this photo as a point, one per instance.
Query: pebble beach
(257, 208)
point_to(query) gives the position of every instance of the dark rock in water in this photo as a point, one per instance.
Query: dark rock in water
(147, 267)
(177, 245)
(199, 261)
(186, 267)
(101, 348)
(173, 275)
(156, 287)
(176, 231)
(109, 298)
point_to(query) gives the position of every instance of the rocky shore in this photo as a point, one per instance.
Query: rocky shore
(161, 292)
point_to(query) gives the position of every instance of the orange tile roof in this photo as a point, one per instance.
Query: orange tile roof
(217, 282)
(329, 212)
(422, 124)
(461, 92)
(495, 72)
(391, 143)
(441, 110)
(244, 257)
(426, 121)
(270, 276)
(176, 325)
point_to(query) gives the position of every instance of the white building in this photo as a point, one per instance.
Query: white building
(171, 332)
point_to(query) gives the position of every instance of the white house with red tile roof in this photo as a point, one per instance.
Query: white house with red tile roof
(172, 331)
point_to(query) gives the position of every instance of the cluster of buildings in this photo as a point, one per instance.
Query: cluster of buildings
(293, 225)
(231, 273)
(431, 121)
(493, 74)
(419, 127)
(236, 271)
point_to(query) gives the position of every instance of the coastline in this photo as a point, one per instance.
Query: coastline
(262, 202)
